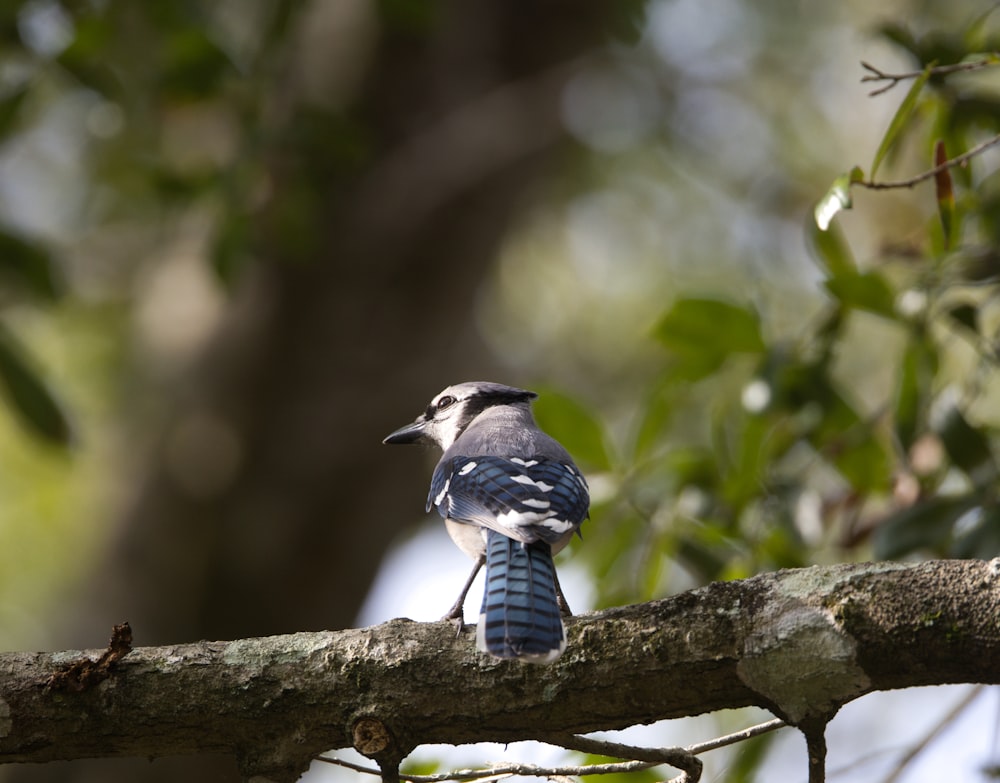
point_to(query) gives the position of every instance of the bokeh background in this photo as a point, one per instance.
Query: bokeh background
(241, 241)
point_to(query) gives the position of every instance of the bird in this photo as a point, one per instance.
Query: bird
(511, 497)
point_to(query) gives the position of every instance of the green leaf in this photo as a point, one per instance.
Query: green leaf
(899, 35)
(852, 288)
(901, 118)
(747, 759)
(626, 21)
(849, 443)
(866, 464)
(10, 109)
(968, 448)
(863, 291)
(422, 767)
(706, 552)
(701, 334)
(693, 465)
(966, 315)
(916, 374)
(830, 250)
(28, 394)
(980, 538)
(654, 420)
(837, 197)
(835, 429)
(406, 17)
(575, 427)
(923, 526)
(230, 252)
(945, 195)
(908, 399)
(28, 266)
(193, 65)
(86, 57)
(744, 472)
(979, 265)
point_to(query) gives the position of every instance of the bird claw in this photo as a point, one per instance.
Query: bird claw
(561, 602)
(456, 614)
(456, 618)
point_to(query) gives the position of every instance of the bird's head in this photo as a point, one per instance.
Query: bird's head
(454, 408)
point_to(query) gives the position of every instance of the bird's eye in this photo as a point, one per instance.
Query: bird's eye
(445, 402)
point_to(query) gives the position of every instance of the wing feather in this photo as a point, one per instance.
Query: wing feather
(526, 499)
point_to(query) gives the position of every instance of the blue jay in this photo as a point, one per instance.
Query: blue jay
(511, 497)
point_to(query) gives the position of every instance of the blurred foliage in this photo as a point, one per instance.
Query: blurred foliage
(748, 450)
(28, 394)
(117, 125)
(752, 451)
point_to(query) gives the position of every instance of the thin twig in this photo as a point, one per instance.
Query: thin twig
(930, 173)
(498, 771)
(736, 736)
(642, 758)
(878, 75)
(679, 758)
(931, 735)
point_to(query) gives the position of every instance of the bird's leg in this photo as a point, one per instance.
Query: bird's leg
(564, 609)
(455, 614)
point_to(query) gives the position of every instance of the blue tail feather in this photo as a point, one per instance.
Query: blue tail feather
(520, 615)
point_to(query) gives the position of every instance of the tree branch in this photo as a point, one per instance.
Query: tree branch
(877, 75)
(497, 771)
(801, 643)
(814, 730)
(958, 160)
(653, 756)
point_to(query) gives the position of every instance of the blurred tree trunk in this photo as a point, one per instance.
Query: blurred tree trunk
(361, 308)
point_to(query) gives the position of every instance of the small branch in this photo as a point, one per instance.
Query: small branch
(736, 736)
(815, 733)
(878, 75)
(497, 771)
(931, 173)
(680, 758)
(641, 758)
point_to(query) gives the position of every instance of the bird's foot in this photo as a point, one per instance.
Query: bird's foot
(564, 609)
(456, 617)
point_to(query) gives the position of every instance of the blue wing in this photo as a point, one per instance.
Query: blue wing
(526, 499)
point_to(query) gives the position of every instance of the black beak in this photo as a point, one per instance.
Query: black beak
(411, 433)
